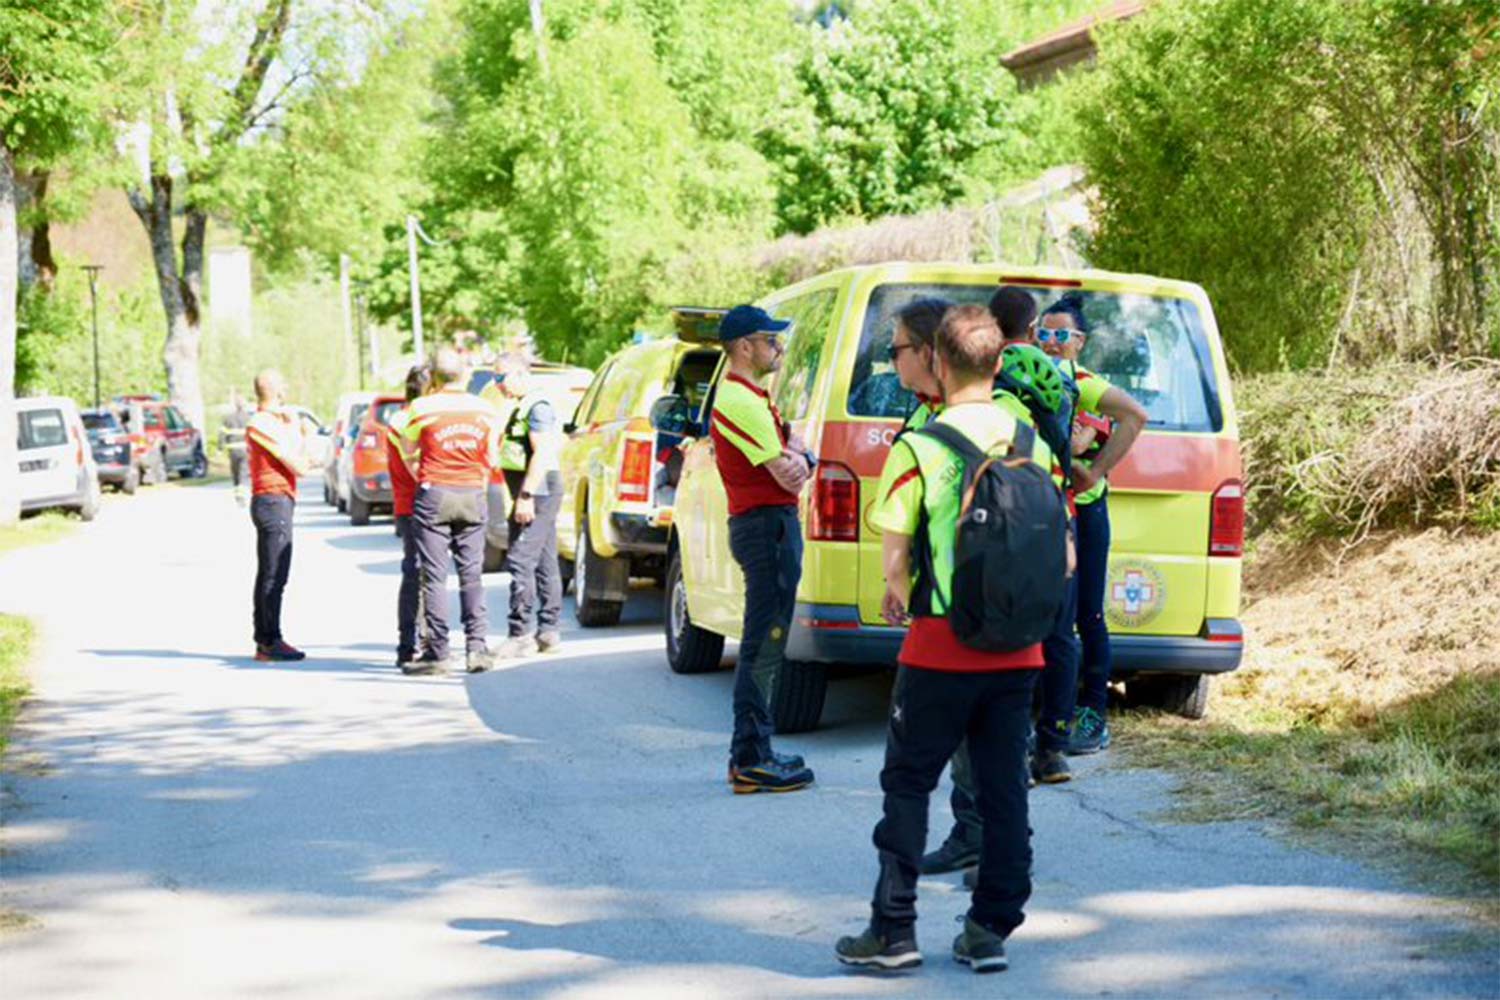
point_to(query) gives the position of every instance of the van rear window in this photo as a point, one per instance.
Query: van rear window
(41, 429)
(1151, 346)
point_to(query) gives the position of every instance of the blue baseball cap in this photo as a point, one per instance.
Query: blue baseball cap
(742, 321)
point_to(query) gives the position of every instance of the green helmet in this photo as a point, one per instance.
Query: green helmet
(1028, 372)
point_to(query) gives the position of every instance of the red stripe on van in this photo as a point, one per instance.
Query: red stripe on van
(1176, 463)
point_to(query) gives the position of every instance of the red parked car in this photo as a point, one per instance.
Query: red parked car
(172, 443)
(369, 473)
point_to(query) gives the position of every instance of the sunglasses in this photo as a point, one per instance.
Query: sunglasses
(894, 351)
(1061, 336)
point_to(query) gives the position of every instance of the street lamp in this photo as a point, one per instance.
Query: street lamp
(93, 270)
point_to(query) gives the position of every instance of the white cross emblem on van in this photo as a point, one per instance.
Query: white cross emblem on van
(1135, 592)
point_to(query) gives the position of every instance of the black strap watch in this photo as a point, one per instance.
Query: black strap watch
(524, 495)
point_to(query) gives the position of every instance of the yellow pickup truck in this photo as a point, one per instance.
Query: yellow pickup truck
(1173, 587)
(619, 474)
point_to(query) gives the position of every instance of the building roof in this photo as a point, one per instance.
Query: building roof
(1073, 43)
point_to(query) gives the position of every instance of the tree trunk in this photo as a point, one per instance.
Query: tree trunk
(179, 291)
(10, 473)
(37, 264)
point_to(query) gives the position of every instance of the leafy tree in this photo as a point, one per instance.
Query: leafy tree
(53, 67)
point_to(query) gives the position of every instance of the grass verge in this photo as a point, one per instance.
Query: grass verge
(17, 636)
(48, 526)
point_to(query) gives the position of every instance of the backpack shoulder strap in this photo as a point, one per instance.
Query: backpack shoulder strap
(1023, 443)
(954, 439)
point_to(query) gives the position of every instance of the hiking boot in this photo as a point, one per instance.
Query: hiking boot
(951, 857)
(1050, 767)
(517, 647)
(548, 642)
(769, 776)
(477, 661)
(870, 950)
(1090, 733)
(980, 948)
(792, 762)
(279, 652)
(426, 665)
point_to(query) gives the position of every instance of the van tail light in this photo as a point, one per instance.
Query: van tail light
(635, 470)
(1226, 522)
(834, 514)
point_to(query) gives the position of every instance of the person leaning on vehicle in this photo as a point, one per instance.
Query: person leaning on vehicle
(274, 448)
(1061, 334)
(403, 494)
(453, 440)
(529, 454)
(947, 691)
(763, 467)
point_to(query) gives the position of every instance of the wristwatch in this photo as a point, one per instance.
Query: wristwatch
(523, 495)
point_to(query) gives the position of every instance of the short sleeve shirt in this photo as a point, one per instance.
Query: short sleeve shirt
(747, 432)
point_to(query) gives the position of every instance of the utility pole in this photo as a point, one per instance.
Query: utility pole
(93, 270)
(344, 301)
(359, 303)
(416, 288)
(539, 28)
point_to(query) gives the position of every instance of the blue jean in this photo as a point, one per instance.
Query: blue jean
(1060, 677)
(767, 543)
(1093, 631)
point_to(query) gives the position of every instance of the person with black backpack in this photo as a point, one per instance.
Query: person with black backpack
(976, 557)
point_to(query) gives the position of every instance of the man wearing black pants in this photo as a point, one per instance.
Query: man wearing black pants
(453, 441)
(274, 449)
(529, 456)
(763, 467)
(947, 692)
(403, 496)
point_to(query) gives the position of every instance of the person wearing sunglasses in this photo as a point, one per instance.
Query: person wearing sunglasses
(910, 352)
(1108, 420)
(763, 466)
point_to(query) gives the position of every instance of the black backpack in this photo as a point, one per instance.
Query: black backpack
(1010, 562)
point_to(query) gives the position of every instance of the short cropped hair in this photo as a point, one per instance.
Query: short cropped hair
(969, 342)
(1015, 310)
(922, 319)
(447, 366)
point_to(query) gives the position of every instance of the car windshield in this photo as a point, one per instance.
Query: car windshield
(1151, 346)
(101, 422)
(41, 429)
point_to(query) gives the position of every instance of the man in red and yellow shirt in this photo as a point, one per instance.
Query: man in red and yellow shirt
(403, 493)
(275, 450)
(453, 440)
(763, 467)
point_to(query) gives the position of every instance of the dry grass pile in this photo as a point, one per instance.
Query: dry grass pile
(944, 235)
(1400, 445)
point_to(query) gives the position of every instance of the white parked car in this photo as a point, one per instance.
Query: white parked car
(346, 417)
(55, 461)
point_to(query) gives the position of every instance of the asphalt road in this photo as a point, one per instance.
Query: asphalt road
(184, 822)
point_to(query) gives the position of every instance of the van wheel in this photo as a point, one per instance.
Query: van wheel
(593, 573)
(690, 649)
(199, 468)
(156, 468)
(1181, 694)
(359, 511)
(91, 499)
(132, 481)
(341, 504)
(797, 698)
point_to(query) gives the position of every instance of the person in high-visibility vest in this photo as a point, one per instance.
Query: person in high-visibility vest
(945, 691)
(276, 451)
(403, 495)
(530, 446)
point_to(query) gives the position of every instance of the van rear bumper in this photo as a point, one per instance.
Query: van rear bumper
(833, 633)
(1217, 650)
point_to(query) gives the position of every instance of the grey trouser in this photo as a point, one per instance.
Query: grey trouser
(451, 520)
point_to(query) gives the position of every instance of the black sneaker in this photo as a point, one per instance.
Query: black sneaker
(980, 948)
(1050, 767)
(426, 665)
(951, 857)
(768, 776)
(1090, 733)
(872, 951)
(477, 661)
(792, 761)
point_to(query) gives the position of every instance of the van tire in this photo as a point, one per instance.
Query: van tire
(132, 481)
(797, 698)
(1181, 694)
(690, 649)
(199, 468)
(156, 468)
(590, 573)
(359, 511)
